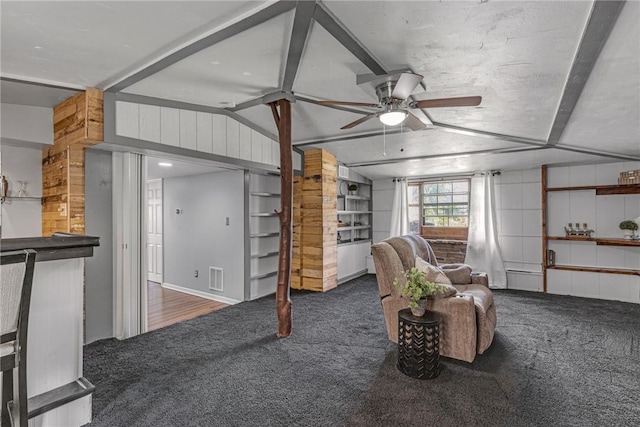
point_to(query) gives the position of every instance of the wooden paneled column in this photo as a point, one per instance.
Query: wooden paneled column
(318, 245)
(77, 123)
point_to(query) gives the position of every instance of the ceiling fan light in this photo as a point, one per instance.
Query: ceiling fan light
(393, 118)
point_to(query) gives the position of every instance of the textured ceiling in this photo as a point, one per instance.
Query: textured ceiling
(517, 55)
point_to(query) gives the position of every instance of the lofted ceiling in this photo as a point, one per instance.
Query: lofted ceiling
(560, 80)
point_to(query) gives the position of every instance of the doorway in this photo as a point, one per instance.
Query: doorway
(168, 299)
(154, 230)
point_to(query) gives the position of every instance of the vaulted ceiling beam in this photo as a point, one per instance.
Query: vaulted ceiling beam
(298, 40)
(263, 15)
(264, 99)
(441, 156)
(604, 14)
(489, 135)
(441, 126)
(339, 31)
(335, 107)
(602, 153)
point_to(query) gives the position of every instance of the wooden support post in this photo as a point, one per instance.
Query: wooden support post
(283, 299)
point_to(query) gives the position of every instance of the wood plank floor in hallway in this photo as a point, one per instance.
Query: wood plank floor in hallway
(166, 306)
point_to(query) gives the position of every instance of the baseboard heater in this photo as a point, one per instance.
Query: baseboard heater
(531, 272)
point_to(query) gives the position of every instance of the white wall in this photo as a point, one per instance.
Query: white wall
(519, 223)
(382, 190)
(99, 302)
(198, 237)
(22, 218)
(602, 213)
(26, 123)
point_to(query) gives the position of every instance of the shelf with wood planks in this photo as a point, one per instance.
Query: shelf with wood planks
(605, 270)
(603, 241)
(600, 190)
(603, 190)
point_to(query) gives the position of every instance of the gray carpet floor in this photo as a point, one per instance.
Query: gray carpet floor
(555, 361)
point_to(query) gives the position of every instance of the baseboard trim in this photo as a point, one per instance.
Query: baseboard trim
(200, 294)
(352, 276)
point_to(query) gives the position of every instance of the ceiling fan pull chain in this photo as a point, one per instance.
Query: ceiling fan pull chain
(384, 140)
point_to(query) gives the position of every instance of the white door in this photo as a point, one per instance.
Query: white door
(154, 230)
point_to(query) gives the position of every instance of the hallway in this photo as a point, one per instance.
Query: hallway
(166, 306)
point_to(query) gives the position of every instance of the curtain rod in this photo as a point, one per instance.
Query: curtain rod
(446, 177)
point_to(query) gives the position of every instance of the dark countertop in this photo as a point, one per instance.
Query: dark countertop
(58, 246)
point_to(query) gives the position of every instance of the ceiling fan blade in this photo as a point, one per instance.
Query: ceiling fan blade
(405, 85)
(413, 122)
(360, 120)
(354, 104)
(465, 101)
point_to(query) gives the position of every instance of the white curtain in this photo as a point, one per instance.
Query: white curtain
(483, 249)
(400, 209)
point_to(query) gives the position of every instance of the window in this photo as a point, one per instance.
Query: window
(439, 209)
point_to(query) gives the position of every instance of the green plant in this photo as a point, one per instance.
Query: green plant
(416, 287)
(628, 224)
(353, 187)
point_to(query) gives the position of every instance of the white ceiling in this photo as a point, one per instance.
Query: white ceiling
(517, 55)
(178, 168)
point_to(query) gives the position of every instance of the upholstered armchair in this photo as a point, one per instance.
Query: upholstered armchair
(468, 316)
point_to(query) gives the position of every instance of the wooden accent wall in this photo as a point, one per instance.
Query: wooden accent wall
(296, 250)
(317, 226)
(79, 120)
(77, 123)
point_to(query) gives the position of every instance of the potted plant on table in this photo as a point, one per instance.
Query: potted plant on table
(629, 228)
(353, 189)
(417, 289)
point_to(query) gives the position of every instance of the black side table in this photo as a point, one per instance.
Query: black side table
(418, 344)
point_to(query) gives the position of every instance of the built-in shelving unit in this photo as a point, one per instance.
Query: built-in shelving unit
(354, 213)
(264, 226)
(600, 190)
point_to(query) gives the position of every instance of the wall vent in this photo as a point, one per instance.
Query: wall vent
(215, 278)
(343, 172)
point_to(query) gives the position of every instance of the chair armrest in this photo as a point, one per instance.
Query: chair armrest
(480, 279)
(451, 266)
(458, 331)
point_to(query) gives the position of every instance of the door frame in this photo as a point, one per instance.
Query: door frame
(148, 222)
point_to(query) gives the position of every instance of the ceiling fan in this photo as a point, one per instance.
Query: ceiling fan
(393, 94)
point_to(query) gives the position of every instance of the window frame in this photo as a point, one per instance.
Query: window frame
(440, 232)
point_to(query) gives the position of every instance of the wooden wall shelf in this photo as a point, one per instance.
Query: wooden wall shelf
(595, 269)
(603, 241)
(600, 190)
(603, 190)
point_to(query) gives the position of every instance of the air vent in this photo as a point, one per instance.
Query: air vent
(343, 172)
(215, 279)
